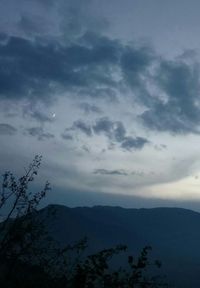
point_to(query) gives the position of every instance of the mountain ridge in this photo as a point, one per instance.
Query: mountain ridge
(173, 233)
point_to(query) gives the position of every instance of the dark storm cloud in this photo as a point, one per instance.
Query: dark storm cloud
(37, 69)
(87, 65)
(103, 125)
(111, 172)
(39, 133)
(116, 131)
(7, 129)
(134, 63)
(82, 126)
(120, 172)
(33, 69)
(130, 143)
(27, 68)
(180, 113)
(119, 131)
(79, 126)
(113, 130)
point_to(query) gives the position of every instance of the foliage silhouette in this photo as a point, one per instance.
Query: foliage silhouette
(29, 257)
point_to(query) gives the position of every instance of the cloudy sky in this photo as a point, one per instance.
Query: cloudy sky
(108, 92)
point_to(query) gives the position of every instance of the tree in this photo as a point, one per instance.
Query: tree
(95, 271)
(20, 232)
(30, 257)
(25, 245)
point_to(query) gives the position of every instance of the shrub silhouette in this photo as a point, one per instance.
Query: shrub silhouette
(29, 257)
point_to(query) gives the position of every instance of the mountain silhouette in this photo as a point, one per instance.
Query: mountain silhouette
(173, 233)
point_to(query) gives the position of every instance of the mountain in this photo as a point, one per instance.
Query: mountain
(173, 233)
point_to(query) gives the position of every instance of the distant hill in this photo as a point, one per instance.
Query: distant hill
(173, 233)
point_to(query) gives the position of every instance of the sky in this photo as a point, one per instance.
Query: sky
(108, 92)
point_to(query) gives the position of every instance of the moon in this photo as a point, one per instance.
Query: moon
(54, 115)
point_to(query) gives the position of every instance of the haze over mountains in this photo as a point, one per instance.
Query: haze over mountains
(173, 233)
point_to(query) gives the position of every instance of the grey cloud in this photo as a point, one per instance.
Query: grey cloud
(140, 173)
(130, 143)
(103, 125)
(181, 112)
(66, 136)
(7, 129)
(82, 126)
(41, 117)
(111, 172)
(26, 68)
(39, 133)
(35, 70)
(86, 148)
(160, 147)
(134, 63)
(78, 125)
(119, 131)
(164, 118)
(37, 114)
(119, 172)
(113, 130)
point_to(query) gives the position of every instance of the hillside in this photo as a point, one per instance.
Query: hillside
(173, 233)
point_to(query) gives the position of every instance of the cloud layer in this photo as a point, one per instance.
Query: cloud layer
(114, 131)
(99, 67)
(96, 105)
